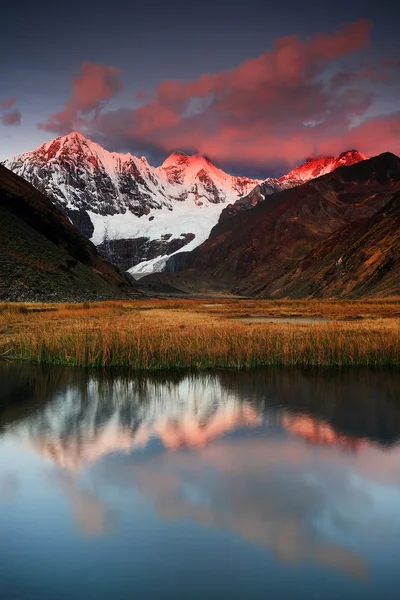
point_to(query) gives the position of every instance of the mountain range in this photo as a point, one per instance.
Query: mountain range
(336, 235)
(327, 228)
(138, 215)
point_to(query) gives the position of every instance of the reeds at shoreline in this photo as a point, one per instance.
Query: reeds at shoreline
(152, 335)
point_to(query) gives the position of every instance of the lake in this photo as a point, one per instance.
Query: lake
(239, 485)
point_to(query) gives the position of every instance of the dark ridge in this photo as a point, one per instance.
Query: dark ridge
(43, 256)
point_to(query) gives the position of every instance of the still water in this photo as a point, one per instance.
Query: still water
(270, 484)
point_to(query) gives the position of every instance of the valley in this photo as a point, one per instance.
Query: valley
(200, 301)
(301, 270)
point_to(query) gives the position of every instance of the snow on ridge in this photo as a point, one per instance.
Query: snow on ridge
(173, 180)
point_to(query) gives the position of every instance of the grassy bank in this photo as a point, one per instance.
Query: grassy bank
(202, 334)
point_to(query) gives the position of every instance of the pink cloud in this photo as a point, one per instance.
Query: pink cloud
(352, 37)
(6, 104)
(281, 105)
(373, 136)
(11, 118)
(90, 91)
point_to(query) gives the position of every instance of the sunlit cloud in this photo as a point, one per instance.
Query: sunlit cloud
(9, 118)
(96, 85)
(288, 103)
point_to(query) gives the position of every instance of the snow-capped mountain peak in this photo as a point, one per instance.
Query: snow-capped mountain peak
(134, 212)
(317, 166)
(197, 174)
(69, 144)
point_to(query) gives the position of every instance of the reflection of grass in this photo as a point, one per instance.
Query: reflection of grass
(158, 334)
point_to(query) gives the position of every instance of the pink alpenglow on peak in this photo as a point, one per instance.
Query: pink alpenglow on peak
(321, 165)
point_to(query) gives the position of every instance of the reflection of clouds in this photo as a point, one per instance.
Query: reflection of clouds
(91, 514)
(318, 432)
(247, 487)
(289, 487)
(9, 488)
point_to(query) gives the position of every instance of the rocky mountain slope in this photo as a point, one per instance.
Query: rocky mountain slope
(311, 169)
(329, 237)
(359, 260)
(43, 257)
(132, 212)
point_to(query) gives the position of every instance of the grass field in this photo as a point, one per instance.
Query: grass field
(165, 334)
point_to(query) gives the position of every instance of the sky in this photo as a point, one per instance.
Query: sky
(257, 87)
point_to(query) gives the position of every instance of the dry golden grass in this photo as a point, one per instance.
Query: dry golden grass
(159, 334)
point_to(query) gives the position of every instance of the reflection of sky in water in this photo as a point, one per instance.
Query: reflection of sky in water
(168, 495)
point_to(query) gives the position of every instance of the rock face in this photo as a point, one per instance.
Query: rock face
(359, 260)
(129, 253)
(332, 236)
(43, 257)
(117, 199)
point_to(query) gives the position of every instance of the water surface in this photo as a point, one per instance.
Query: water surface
(269, 484)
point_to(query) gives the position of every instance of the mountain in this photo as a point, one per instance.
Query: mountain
(310, 169)
(43, 257)
(132, 212)
(318, 166)
(362, 259)
(103, 415)
(288, 246)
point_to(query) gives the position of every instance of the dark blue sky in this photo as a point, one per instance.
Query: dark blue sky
(45, 43)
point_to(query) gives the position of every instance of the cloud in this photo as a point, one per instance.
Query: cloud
(292, 101)
(6, 104)
(373, 136)
(276, 509)
(11, 118)
(258, 111)
(96, 85)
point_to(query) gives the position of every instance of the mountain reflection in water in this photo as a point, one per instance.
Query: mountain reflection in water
(304, 465)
